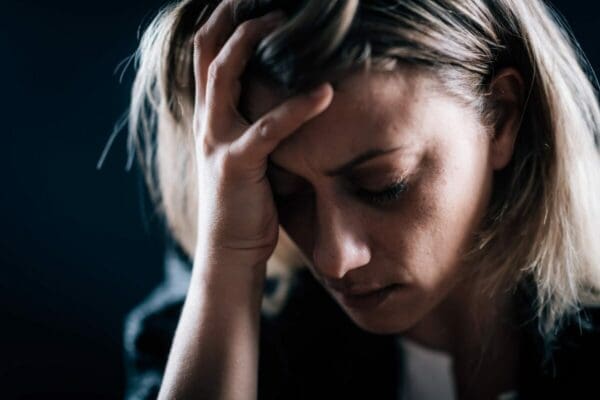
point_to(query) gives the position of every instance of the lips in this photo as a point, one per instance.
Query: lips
(359, 291)
(355, 289)
(369, 300)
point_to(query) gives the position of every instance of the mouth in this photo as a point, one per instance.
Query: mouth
(368, 299)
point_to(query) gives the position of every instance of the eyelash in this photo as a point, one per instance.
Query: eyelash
(388, 195)
(385, 196)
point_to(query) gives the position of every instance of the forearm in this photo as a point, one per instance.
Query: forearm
(214, 354)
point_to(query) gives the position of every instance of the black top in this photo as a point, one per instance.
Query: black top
(312, 350)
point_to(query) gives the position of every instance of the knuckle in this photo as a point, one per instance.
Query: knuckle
(216, 71)
(263, 127)
(246, 28)
(200, 38)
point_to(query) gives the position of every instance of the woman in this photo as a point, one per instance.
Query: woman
(432, 162)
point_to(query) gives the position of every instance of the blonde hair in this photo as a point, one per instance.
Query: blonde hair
(545, 208)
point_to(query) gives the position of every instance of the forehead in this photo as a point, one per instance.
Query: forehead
(359, 91)
(368, 110)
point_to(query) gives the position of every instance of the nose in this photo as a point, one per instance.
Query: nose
(340, 242)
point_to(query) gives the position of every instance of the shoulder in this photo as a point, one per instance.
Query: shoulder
(150, 326)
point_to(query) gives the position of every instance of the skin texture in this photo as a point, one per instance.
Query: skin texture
(447, 163)
(440, 151)
(446, 157)
(215, 349)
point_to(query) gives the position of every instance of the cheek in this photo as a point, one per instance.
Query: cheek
(425, 232)
(434, 225)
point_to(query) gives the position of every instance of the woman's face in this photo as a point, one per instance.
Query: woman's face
(385, 187)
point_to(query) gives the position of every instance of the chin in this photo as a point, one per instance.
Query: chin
(382, 323)
(394, 312)
(382, 326)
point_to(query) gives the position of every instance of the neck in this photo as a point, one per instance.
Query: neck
(484, 346)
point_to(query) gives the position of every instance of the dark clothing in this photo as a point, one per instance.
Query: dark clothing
(312, 350)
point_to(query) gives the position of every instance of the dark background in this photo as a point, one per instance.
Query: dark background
(77, 251)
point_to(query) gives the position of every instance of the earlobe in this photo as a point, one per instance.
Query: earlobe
(507, 97)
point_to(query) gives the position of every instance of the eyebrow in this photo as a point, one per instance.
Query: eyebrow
(348, 166)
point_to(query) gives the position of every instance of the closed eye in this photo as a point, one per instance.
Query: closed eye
(385, 196)
(382, 197)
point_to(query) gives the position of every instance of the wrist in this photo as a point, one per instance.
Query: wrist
(232, 273)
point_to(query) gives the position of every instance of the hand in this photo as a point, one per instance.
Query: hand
(236, 210)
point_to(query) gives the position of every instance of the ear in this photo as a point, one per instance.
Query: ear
(507, 97)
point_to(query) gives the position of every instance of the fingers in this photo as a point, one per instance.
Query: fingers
(218, 71)
(207, 42)
(252, 149)
(215, 37)
(223, 90)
